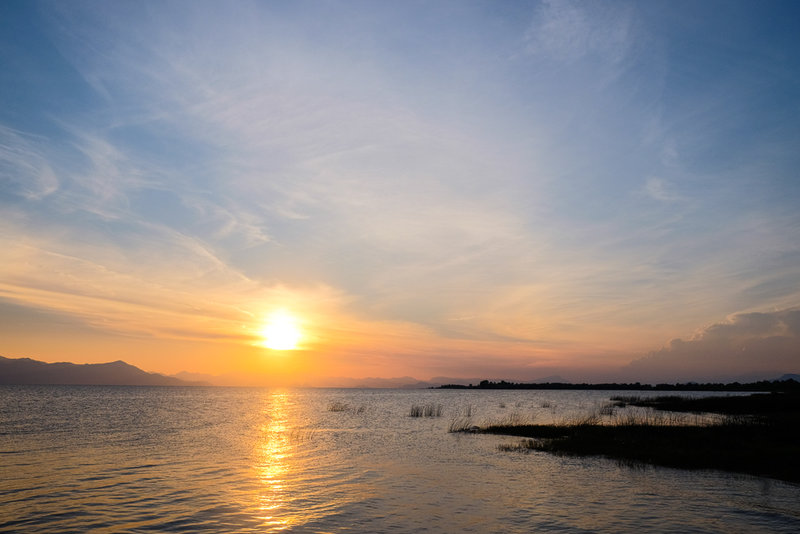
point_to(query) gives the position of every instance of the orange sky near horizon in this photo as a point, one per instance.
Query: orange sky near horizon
(345, 347)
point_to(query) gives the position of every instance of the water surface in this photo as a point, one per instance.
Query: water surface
(160, 459)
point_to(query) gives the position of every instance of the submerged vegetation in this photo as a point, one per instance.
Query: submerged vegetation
(756, 434)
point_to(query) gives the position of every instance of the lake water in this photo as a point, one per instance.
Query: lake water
(161, 459)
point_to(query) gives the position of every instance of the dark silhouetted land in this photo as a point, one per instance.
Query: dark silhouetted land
(118, 373)
(759, 435)
(783, 384)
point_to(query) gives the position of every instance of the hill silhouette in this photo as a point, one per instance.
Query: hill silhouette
(118, 373)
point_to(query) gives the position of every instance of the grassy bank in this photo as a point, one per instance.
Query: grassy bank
(760, 435)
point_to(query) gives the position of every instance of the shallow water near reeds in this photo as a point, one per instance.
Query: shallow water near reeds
(161, 459)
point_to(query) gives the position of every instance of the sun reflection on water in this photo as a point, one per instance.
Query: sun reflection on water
(274, 457)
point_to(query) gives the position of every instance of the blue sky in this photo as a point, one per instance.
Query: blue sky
(511, 188)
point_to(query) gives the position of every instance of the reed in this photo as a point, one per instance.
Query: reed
(338, 406)
(608, 409)
(426, 410)
(526, 445)
(758, 438)
(301, 435)
(462, 424)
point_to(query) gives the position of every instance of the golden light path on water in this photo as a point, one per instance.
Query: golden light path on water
(274, 451)
(297, 484)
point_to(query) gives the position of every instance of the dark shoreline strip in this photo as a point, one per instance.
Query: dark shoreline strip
(762, 440)
(764, 385)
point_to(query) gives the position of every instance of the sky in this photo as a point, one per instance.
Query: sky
(590, 190)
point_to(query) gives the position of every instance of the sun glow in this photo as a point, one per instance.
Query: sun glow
(281, 332)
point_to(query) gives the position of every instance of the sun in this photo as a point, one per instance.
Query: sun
(281, 332)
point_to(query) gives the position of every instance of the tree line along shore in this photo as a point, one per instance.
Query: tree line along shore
(789, 384)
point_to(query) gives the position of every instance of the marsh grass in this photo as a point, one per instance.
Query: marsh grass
(463, 420)
(764, 404)
(426, 410)
(762, 439)
(300, 435)
(468, 411)
(462, 424)
(526, 445)
(337, 406)
(516, 418)
(608, 409)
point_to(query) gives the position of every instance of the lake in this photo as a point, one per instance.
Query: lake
(196, 459)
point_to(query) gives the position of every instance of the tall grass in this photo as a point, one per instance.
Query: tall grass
(338, 406)
(756, 434)
(462, 424)
(426, 410)
(607, 409)
(301, 434)
(525, 445)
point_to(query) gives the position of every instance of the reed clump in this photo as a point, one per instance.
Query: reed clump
(758, 436)
(608, 409)
(526, 445)
(338, 406)
(301, 435)
(462, 424)
(426, 410)
(463, 420)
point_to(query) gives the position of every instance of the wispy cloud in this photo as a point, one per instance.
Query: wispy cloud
(149, 288)
(570, 31)
(24, 168)
(423, 182)
(659, 189)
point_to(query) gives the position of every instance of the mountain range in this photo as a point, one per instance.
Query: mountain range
(118, 373)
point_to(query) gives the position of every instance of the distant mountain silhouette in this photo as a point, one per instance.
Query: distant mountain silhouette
(118, 373)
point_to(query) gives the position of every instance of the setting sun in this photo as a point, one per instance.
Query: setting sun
(281, 332)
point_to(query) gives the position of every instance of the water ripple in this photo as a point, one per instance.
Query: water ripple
(248, 460)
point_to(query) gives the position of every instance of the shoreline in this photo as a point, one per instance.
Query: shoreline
(758, 435)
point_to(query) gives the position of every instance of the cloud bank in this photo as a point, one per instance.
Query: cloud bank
(747, 346)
